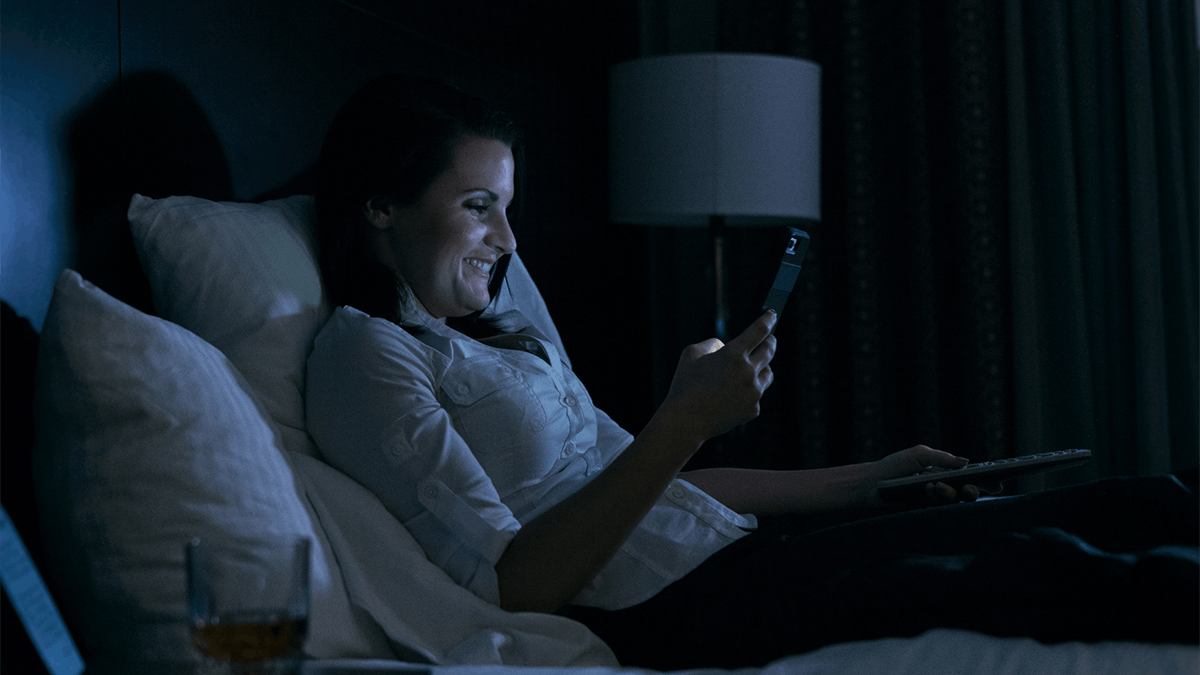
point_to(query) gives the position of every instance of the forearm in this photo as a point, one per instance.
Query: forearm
(557, 554)
(715, 388)
(765, 492)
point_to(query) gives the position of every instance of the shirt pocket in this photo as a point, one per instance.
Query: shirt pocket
(491, 403)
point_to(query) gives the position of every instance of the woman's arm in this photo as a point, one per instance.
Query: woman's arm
(554, 556)
(764, 492)
(816, 490)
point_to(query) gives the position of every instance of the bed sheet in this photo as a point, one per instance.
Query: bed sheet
(937, 652)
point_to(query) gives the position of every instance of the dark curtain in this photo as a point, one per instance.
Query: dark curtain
(1102, 120)
(1006, 259)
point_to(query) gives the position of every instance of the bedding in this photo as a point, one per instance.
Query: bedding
(242, 277)
(153, 430)
(938, 652)
(151, 437)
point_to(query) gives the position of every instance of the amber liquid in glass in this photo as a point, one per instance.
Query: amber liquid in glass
(250, 637)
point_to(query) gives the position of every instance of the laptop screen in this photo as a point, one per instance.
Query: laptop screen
(33, 604)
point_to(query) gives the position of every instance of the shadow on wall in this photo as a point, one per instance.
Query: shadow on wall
(143, 134)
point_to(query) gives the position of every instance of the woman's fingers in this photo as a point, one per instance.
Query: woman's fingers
(940, 492)
(754, 335)
(761, 355)
(707, 347)
(926, 457)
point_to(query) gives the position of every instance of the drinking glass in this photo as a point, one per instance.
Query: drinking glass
(248, 603)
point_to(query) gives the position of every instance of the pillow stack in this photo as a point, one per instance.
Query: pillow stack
(148, 437)
(243, 277)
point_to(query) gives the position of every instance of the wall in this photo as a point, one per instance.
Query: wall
(55, 55)
(229, 100)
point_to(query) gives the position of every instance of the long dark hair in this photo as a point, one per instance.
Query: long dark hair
(389, 142)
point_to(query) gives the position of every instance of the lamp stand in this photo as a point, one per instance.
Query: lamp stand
(716, 232)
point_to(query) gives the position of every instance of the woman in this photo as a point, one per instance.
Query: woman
(476, 435)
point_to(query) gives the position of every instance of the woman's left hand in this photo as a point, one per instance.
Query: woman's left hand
(922, 458)
(808, 491)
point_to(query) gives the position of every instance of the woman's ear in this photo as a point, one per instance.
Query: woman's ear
(378, 212)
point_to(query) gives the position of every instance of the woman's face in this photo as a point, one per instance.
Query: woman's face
(446, 244)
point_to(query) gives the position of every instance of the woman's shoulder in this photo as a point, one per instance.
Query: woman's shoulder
(356, 340)
(348, 327)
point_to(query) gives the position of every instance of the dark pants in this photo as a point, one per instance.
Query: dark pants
(1112, 560)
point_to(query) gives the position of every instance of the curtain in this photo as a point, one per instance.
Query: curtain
(1102, 119)
(1006, 258)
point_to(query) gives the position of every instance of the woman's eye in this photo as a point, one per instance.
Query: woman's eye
(479, 209)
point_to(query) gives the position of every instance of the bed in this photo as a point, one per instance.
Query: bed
(156, 429)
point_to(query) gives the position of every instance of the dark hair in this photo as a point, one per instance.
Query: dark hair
(389, 142)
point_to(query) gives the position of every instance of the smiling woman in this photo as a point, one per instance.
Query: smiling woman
(446, 245)
(470, 427)
(415, 186)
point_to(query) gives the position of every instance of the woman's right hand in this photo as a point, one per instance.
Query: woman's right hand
(557, 554)
(717, 386)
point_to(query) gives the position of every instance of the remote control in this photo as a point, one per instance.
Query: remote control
(981, 473)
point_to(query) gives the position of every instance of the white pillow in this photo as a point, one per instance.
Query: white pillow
(244, 277)
(148, 436)
(388, 577)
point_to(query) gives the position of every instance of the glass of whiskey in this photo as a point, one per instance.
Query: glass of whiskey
(248, 600)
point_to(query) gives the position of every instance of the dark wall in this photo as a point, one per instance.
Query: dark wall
(53, 56)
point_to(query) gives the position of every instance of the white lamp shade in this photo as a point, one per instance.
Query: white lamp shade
(698, 135)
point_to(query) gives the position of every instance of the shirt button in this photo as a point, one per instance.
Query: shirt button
(431, 491)
(568, 450)
(677, 493)
(569, 400)
(463, 389)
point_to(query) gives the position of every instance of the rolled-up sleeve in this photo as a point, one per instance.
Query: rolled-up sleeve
(371, 401)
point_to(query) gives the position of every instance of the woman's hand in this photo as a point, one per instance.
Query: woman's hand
(718, 386)
(922, 458)
(558, 553)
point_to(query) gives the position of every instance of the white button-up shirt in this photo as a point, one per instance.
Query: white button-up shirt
(463, 441)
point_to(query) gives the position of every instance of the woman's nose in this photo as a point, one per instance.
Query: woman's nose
(501, 235)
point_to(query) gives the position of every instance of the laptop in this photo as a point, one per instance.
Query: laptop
(30, 601)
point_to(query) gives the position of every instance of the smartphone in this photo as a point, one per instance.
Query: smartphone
(795, 246)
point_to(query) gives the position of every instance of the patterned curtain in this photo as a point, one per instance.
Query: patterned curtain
(919, 317)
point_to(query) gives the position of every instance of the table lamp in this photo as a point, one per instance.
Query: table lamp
(717, 140)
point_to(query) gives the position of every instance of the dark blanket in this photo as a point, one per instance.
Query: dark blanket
(1116, 559)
